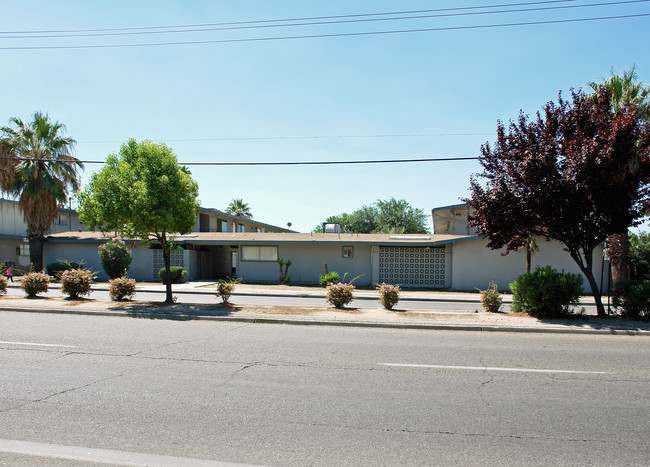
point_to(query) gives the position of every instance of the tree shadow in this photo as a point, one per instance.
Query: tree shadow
(615, 324)
(174, 311)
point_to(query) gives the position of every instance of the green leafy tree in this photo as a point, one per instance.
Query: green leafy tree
(640, 255)
(142, 193)
(384, 216)
(38, 168)
(625, 90)
(237, 207)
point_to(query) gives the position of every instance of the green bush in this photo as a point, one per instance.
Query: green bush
(121, 288)
(4, 282)
(330, 278)
(388, 295)
(632, 298)
(491, 299)
(115, 257)
(34, 283)
(177, 273)
(226, 288)
(546, 293)
(76, 282)
(339, 294)
(56, 269)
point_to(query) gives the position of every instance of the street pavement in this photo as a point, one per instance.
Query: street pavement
(79, 390)
(306, 305)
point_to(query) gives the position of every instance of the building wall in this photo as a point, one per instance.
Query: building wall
(307, 264)
(140, 269)
(474, 265)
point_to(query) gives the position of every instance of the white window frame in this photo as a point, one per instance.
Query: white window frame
(261, 253)
(348, 251)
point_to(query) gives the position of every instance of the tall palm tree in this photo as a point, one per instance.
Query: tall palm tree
(38, 168)
(625, 90)
(237, 207)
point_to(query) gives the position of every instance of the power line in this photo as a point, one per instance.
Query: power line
(280, 138)
(321, 36)
(276, 163)
(313, 18)
(194, 29)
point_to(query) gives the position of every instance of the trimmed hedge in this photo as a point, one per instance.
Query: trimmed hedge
(56, 269)
(177, 273)
(546, 293)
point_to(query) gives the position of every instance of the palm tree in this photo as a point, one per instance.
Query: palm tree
(38, 168)
(237, 207)
(625, 90)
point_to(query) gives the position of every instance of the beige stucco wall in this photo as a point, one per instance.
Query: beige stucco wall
(307, 264)
(474, 265)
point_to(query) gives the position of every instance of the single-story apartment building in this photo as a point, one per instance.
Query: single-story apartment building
(436, 261)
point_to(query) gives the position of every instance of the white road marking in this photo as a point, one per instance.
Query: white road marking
(106, 456)
(492, 368)
(35, 344)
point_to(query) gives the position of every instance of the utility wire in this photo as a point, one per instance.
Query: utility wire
(280, 138)
(220, 164)
(313, 18)
(320, 36)
(320, 23)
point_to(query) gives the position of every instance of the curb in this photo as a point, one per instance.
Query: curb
(361, 324)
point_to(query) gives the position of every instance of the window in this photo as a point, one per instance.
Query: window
(62, 220)
(224, 226)
(242, 228)
(348, 252)
(22, 249)
(259, 253)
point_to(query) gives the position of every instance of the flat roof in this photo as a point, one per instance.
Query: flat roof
(262, 238)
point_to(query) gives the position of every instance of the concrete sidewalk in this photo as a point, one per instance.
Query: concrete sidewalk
(375, 317)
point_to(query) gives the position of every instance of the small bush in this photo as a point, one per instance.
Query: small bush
(177, 273)
(76, 282)
(330, 278)
(340, 294)
(632, 298)
(388, 295)
(121, 288)
(34, 283)
(491, 299)
(546, 293)
(4, 282)
(115, 257)
(56, 269)
(226, 288)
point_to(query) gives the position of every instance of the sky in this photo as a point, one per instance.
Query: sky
(250, 87)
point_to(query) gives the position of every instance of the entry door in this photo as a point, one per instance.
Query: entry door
(234, 257)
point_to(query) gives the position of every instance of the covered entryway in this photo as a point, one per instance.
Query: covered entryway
(413, 266)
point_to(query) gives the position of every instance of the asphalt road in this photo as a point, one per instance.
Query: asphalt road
(129, 391)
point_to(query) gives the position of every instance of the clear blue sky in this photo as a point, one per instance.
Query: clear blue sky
(356, 97)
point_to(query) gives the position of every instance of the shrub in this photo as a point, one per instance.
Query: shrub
(56, 269)
(34, 283)
(115, 257)
(546, 293)
(226, 288)
(121, 288)
(640, 255)
(330, 278)
(76, 282)
(4, 282)
(632, 298)
(177, 273)
(340, 294)
(491, 299)
(388, 295)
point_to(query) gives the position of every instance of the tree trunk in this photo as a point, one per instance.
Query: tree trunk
(168, 279)
(36, 252)
(587, 270)
(619, 256)
(529, 255)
